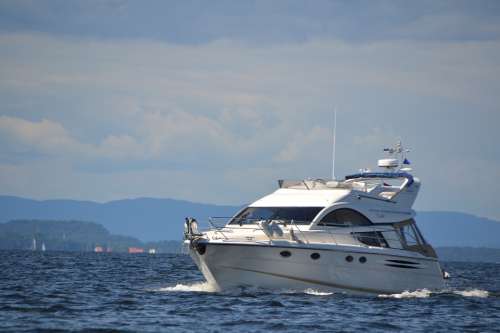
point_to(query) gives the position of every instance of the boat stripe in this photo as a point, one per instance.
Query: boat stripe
(404, 262)
(402, 266)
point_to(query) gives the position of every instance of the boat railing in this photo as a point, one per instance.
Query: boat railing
(219, 225)
(294, 226)
(367, 236)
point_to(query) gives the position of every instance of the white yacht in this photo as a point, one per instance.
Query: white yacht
(357, 235)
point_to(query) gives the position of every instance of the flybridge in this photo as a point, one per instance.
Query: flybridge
(395, 167)
(321, 184)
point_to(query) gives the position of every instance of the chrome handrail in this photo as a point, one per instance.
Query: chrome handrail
(215, 229)
(293, 226)
(300, 231)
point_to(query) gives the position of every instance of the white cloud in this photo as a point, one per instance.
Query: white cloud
(45, 136)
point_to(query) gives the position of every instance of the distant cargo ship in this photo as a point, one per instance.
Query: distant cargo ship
(135, 250)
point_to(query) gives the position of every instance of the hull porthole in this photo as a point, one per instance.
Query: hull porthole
(315, 256)
(285, 254)
(349, 258)
(362, 260)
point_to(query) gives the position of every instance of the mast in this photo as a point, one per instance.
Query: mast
(334, 141)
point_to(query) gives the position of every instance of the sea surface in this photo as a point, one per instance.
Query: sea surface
(63, 291)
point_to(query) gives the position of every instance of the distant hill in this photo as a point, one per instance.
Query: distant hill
(60, 235)
(159, 219)
(452, 229)
(71, 236)
(145, 218)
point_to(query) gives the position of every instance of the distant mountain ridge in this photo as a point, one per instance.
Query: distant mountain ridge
(145, 218)
(162, 219)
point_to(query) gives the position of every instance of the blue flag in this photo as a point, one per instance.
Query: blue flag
(406, 161)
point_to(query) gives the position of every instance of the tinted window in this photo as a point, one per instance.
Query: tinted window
(344, 217)
(419, 234)
(372, 238)
(408, 235)
(300, 215)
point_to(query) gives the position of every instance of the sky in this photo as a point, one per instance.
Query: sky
(213, 101)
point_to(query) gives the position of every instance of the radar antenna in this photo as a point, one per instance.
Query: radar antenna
(397, 158)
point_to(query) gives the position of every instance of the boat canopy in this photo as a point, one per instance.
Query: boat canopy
(382, 175)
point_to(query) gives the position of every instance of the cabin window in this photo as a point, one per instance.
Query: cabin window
(371, 238)
(412, 239)
(419, 234)
(344, 217)
(410, 234)
(299, 215)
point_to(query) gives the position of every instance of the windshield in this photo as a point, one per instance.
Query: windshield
(299, 215)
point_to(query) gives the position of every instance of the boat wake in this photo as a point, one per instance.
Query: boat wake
(207, 287)
(424, 293)
(472, 293)
(317, 292)
(201, 287)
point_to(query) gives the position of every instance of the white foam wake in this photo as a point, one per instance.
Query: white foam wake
(310, 291)
(472, 293)
(195, 287)
(423, 293)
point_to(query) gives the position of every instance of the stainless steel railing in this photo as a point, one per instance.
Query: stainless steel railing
(365, 235)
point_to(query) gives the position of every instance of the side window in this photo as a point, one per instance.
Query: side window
(408, 234)
(372, 238)
(344, 217)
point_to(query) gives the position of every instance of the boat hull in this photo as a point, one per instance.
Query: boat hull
(229, 265)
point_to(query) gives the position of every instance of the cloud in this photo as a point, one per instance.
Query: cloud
(45, 137)
(259, 22)
(143, 118)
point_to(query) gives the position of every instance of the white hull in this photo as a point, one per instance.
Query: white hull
(228, 265)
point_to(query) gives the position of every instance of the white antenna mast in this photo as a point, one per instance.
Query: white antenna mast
(334, 141)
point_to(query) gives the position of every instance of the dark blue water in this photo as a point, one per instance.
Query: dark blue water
(151, 293)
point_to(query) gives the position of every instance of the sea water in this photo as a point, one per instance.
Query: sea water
(150, 293)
